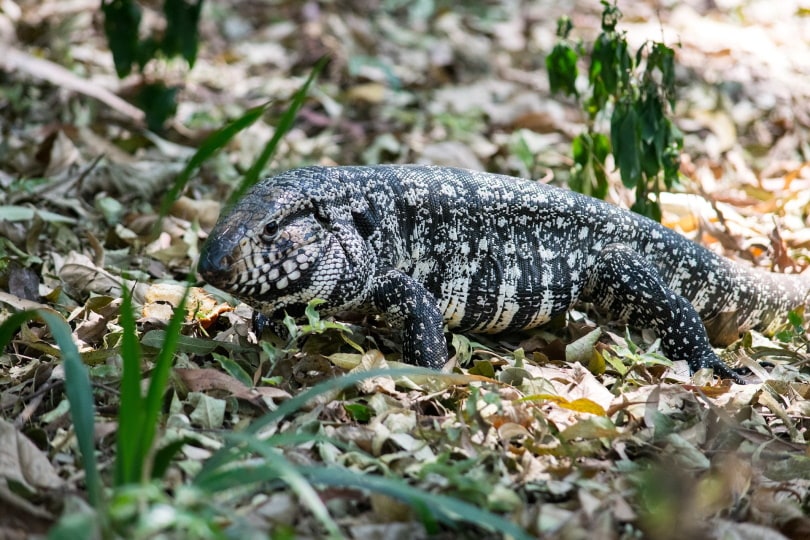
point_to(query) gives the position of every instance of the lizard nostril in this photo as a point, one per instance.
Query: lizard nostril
(213, 265)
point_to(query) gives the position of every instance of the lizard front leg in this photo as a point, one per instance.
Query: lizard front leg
(413, 311)
(629, 286)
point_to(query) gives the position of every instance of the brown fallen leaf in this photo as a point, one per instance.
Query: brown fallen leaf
(781, 257)
(202, 380)
(22, 304)
(82, 276)
(206, 212)
(723, 329)
(161, 298)
(721, 487)
(369, 92)
(24, 463)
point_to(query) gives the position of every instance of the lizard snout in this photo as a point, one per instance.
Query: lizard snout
(216, 260)
(213, 267)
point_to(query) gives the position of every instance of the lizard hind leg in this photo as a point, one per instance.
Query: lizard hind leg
(630, 287)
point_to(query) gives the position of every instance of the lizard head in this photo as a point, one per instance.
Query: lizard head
(278, 248)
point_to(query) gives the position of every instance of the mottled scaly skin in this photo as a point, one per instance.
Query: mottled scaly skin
(424, 246)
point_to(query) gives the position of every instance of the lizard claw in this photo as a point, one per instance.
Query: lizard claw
(723, 371)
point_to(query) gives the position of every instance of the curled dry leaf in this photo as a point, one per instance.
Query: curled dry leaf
(204, 380)
(205, 212)
(374, 359)
(160, 299)
(82, 276)
(94, 316)
(511, 430)
(21, 304)
(22, 462)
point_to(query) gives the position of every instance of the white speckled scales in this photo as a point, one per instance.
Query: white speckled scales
(481, 252)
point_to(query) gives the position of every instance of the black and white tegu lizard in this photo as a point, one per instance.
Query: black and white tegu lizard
(428, 246)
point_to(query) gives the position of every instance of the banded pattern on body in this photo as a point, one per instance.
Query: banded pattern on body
(424, 246)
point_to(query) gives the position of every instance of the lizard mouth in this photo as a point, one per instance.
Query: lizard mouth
(264, 275)
(216, 263)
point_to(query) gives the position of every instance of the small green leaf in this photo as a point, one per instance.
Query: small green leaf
(610, 16)
(602, 73)
(358, 411)
(784, 336)
(624, 137)
(581, 350)
(663, 58)
(154, 339)
(650, 165)
(158, 102)
(483, 368)
(564, 27)
(590, 427)
(651, 115)
(292, 329)
(121, 21)
(616, 363)
(581, 149)
(234, 369)
(165, 455)
(562, 70)
(181, 36)
(147, 50)
(312, 315)
(24, 213)
(208, 412)
(601, 146)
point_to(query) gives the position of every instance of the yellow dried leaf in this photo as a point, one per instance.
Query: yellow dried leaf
(370, 93)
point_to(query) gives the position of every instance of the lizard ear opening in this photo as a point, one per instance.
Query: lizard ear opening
(320, 216)
(363, 222)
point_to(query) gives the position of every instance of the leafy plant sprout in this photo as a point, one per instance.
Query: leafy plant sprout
(637, 93)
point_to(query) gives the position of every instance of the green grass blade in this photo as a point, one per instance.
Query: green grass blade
(77, 387)
(231, 453)
(447, 509)
(289, 474)
(128, 462)
(277, 469)
(221, 479)
(284, 124)
(208, 148)
(80, 396)
(272, 466)
(164, 456)
(225, 470)
(12, 324)
(339, 383)
(160, 377)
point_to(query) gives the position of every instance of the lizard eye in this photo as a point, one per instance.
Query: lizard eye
(270, 230)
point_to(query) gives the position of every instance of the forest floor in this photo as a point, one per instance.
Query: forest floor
(564, 436)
